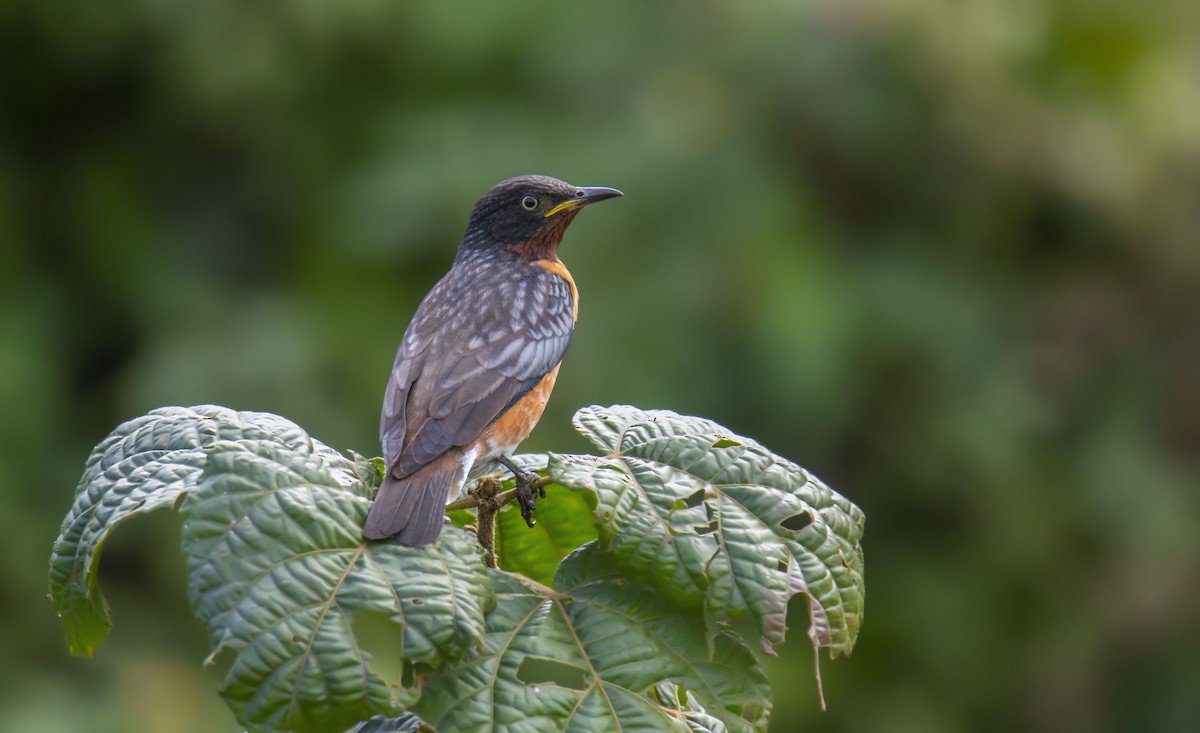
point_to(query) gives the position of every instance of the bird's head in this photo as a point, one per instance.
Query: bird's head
(529, 214)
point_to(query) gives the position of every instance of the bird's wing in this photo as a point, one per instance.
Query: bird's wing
(481, 340)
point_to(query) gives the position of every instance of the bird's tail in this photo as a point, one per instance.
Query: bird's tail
(413, 508)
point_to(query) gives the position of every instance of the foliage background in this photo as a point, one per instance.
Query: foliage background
(944, 254)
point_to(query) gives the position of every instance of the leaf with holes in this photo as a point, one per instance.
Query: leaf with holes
(277, 568)
(147, 464)
(596, 654)
(715, 520)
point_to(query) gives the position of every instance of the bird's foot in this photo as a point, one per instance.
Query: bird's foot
(528, 489)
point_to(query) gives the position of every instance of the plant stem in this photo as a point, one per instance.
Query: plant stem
(488, 499)
(485, 520)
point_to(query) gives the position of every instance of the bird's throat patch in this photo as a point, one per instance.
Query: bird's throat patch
(544, 243)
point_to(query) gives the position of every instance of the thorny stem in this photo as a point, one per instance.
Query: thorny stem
(488, 499)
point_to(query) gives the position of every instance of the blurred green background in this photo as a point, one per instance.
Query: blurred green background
(946, 255)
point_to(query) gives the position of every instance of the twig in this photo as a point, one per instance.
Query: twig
(488, 499)
(471, 501)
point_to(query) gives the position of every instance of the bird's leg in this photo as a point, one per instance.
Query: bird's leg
(527, 494)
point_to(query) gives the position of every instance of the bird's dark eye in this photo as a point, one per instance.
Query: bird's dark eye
(529, 203)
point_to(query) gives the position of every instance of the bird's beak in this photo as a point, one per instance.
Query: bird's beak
(584, 195)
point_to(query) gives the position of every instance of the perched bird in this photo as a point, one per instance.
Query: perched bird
(480, 357)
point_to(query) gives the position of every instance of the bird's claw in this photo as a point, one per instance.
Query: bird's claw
(528, 489)
(527, 494)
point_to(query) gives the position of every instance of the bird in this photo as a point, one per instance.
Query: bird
(480, 357)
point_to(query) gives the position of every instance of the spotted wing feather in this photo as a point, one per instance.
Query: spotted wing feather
(483, 337)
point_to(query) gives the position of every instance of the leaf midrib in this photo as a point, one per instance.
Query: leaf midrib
(304, 657)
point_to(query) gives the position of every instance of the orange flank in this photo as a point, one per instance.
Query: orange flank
(515, 425)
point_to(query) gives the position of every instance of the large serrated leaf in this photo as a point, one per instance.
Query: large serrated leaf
(146, 464)
(278, 566)
(594, 655)
(716, 520)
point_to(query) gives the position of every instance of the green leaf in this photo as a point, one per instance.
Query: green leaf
(715, 520)
(406, 723)
(146, 464)
(279, 573)
(564, 523)
(592, 656)
(277, 568)
(685, 704)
